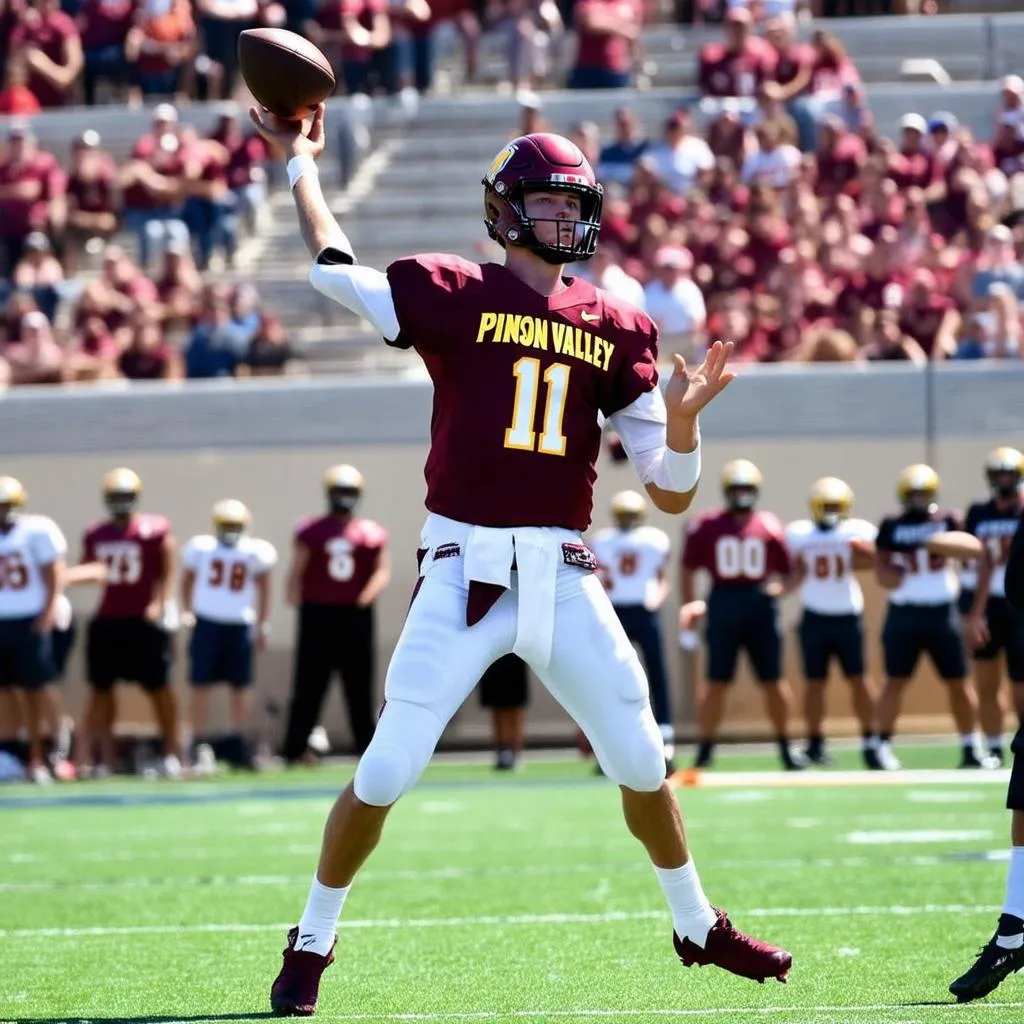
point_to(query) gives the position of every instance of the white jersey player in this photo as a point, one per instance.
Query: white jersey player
(32, 557)
(633, 562)
(827, 549)
(226, 587)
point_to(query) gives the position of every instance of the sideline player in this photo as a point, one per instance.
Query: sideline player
(633, 563)
(921, 617)
(133, 555)
(523, 359)
(340, 566)
(225, 589)
(827, 549)
(1004, 952)
(505, 692)
(32, 556)
(990, 625)
(743, 550)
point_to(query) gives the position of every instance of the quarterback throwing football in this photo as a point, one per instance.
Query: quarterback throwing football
(523, 360)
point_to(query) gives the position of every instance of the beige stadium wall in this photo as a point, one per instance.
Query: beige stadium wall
(283, 484)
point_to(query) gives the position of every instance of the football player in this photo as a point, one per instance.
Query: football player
(743, 550)
(921, 615)
(990, 625)
(32, 557)
(633, 562)
(340, 566)
(827, 549)
(225, 594)
(133, 554)
(523, 358)
(1004, 952)
(505, 692)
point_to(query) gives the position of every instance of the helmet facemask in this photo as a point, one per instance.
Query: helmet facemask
(230, 535)
(343, 500)
(920, 503)
(121, 504)
(509, 224)
(1004, 483)
(741, 498)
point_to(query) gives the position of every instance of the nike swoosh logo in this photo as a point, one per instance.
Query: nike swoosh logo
(590, 317)
(304, 941)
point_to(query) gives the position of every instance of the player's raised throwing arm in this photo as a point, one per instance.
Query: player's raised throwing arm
(363, 290)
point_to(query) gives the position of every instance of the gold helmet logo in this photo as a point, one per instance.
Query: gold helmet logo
(499, 163)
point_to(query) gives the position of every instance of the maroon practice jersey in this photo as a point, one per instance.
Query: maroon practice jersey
(342, 557)
(519, 380)
(735, 554)
(135, 563)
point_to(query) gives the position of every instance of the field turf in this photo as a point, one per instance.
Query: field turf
(505, 899)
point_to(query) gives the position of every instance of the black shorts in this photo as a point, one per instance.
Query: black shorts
(823, 637)
(1015, 790)
(220, 652)
(26, 657)
(742, 619)
(504, 684)
(129, 651)
(1006, 629)
(61, 643)
(912, 630)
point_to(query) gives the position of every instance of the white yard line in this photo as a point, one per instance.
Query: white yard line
(610, 917)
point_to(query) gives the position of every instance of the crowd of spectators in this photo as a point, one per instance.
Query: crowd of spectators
(57, 53)
(179, 201)
(821, 243)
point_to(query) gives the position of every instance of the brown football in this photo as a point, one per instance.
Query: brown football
(284, 71)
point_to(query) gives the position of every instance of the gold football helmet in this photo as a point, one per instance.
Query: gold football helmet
(121, 490)
(1004, 470)
(230, 520)
(741, 484)
(831, 500)
(628, 508)
(12, 497)
(917, 488)
(344, 486)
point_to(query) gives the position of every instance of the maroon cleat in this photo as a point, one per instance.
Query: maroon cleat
(735, 952)
(295, 989)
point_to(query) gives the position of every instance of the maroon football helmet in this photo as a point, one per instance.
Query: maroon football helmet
(541, 163)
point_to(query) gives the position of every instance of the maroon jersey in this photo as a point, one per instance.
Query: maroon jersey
(737, 555)
(519, 380)
(735, 72)
(342, 558)
(135, 563)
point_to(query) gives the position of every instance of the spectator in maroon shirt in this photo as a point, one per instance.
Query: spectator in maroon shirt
(887, 342)
(92, 194)
(1008, 145)
(914, 163)
(95, 354)
(221, 23)
(52, 49)
(915, 231)
(930, 317)
(607, 33)
(247, 155)
(354, 34)
(160, 47)
(148, 355)
(840, 157)
(1011, 100)
(104, 26)
(32, 193)
(738, 67)
(39, 273)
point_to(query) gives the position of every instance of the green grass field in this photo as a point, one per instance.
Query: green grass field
(502, 899)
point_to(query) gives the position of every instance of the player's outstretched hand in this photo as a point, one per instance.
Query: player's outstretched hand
(687, 393)
(291, 138)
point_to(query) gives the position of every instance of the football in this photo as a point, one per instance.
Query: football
(285, 72)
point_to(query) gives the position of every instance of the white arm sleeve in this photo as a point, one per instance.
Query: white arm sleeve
(641, 428)
(362, 289)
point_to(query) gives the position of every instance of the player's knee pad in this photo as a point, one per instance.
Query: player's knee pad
(635, 758)
(399, 751)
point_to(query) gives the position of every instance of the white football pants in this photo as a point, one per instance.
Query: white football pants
(593, 672)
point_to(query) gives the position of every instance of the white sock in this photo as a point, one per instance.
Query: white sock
(692, 916)
(1014, 903)
(970, 740)
(320, 918)
(995, 742)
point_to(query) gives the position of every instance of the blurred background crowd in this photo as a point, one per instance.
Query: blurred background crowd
(767, 209)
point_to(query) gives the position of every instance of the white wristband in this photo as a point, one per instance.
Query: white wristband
(298, 166)
(679, 471)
